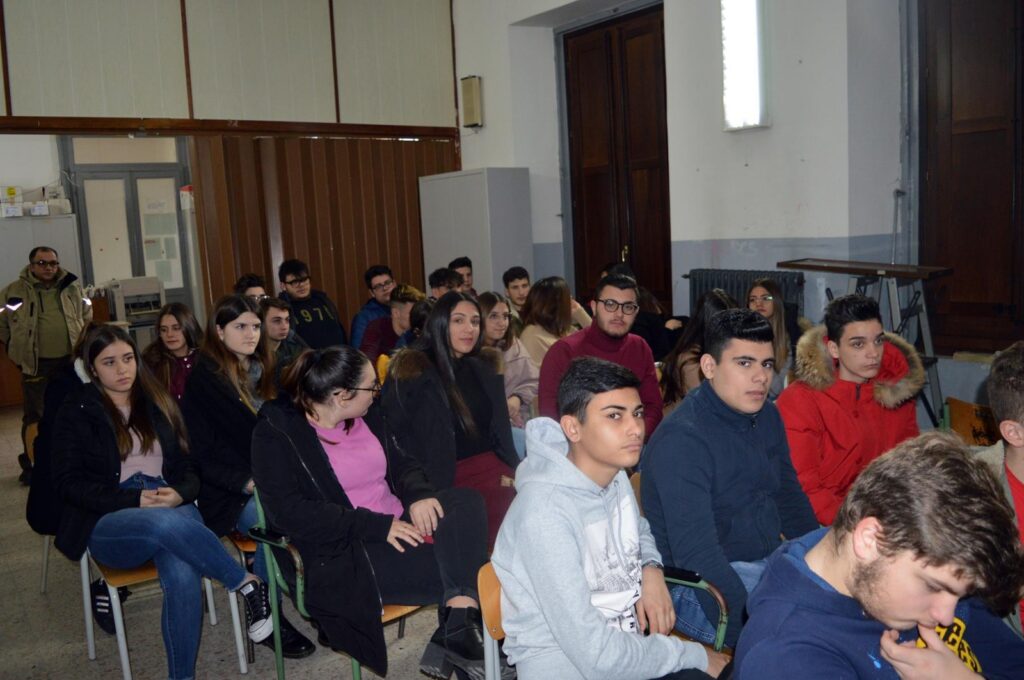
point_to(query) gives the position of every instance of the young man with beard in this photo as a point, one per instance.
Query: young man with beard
(902, 583)
(718, 486)
(614, 308)
(852, 400)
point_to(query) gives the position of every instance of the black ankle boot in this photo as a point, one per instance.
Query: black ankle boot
(294, 645)
(457, 642)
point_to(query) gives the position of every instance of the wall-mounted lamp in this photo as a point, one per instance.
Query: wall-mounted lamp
(743, 90)
(472, 106)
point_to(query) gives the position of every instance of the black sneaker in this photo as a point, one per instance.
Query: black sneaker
(257, 610)
(101, 610)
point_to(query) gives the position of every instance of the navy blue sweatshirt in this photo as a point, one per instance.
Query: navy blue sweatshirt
(316, 320)
(718, 487)
(801, 627)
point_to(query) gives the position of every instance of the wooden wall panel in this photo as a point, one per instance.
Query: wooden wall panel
(339, 204)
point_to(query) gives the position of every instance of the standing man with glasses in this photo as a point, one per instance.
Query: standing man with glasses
(614, 308)
(380, 282)
(43, 313)
(314, 314)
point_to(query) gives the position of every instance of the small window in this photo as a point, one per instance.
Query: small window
(96, 150)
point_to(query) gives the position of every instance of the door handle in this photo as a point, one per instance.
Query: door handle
(624, 253)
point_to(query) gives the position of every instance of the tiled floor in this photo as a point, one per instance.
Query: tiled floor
(43, 635)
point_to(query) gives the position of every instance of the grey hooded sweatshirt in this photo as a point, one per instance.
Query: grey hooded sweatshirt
(569, 558)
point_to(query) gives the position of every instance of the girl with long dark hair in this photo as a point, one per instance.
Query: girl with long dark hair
(370, 526)
(445, 401)
(765, 298)
(172, 356)
(121, 466)
(680, 371)
(232, 379)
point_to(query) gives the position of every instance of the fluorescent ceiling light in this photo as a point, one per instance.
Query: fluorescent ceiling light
(742, 64)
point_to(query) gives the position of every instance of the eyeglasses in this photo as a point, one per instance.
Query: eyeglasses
(628, 308)
(760, 298)
(259, 298)
(382, 286)
(47, 263)
(297, 280)
(375, 389)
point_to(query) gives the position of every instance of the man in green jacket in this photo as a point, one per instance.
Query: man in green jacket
(1006, 397)
(43, 313)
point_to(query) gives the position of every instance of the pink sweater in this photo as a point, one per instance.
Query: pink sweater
(360, 465)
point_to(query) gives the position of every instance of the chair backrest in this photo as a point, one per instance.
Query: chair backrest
(634, 481)
(31, 432)
(489, 589)
(974, 422)
(382, 367)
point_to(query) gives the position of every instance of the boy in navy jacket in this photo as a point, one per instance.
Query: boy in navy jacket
(718, 486)
(904, 583)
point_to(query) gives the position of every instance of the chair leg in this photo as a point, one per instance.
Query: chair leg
(357, 671)
(275, 610)
(122, 641)
(492, 660)
(243, 665)
(46, 563)
(401, 628)
(90, 635)
(210, 607)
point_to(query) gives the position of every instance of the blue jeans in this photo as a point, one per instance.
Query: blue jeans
(690, 617)
(184, 551)
(246, 521)
(519, 440)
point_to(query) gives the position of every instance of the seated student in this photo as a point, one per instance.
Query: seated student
(718, 486)
(380, 282)
(549, 315)
(121, 466)
(580, 574)
(282, 340)
(369, 525)
(680, 371)
(252, 286)
(1006, 458)
(614, 307)
(315, 315)
(883, 592)
(765, 298)
(464, 266)
(384, 335)
(231, 380)
(853, 398)
(521, 374)
(174, 352)
(517, 288)
(445, 403)
(442, 281)
(653, 324)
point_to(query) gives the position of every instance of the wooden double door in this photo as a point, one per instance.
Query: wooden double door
(618, 150)
(971, 211)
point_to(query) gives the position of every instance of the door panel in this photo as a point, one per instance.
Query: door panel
(109, 239)
(970, 208)
(615, 83)
(162, 250)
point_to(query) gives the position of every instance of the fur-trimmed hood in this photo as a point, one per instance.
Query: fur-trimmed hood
(410, 363)
(901, 377)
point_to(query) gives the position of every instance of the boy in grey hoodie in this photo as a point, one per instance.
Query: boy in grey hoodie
(580, 574)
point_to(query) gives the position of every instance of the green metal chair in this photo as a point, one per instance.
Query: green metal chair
(269, 540)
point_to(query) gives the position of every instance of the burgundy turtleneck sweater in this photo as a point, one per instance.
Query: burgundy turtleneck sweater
(630, 351)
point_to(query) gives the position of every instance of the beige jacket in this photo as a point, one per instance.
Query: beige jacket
(19, 316)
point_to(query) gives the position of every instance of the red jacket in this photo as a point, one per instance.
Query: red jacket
(836, 427)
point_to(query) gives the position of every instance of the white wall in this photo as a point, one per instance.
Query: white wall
(29, 161)
(825, 168)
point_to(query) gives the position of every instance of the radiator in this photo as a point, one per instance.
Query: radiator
(736, 282)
